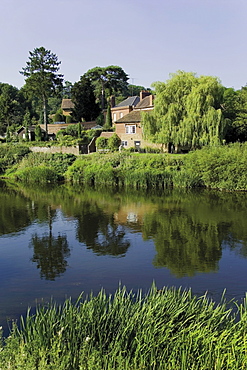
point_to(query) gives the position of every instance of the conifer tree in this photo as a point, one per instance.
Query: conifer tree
(42, 78)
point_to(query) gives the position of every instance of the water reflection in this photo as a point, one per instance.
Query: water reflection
(50, 254)
(99, 231)
(189, 229)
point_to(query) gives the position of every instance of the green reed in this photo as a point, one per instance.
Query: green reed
(165, 329)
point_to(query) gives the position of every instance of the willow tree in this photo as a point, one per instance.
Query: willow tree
(187, 112)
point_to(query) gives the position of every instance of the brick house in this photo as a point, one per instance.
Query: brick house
(129, 129)
(126, 106)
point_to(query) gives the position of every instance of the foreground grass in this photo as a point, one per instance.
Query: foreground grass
(168, 329)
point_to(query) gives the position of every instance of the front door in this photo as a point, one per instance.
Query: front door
(137, 144)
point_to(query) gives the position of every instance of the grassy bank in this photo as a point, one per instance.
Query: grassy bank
(222, 167)
(167, 329)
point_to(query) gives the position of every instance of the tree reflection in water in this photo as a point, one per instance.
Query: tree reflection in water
(50, 252)
(100, 233)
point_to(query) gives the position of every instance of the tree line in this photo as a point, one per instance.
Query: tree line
(44, 89)
(189, 111)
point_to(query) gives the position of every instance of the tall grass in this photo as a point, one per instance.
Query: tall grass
(125, 169)
(222, 167)
(41, 168)
(167, 329)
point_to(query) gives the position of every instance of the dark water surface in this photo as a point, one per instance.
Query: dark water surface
(62, 241)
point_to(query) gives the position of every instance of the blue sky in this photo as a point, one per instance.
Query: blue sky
(149, 39)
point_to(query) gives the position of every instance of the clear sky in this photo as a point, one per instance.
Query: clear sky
(149, 39)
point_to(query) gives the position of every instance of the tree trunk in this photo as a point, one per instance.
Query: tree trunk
(102, 98)
(45, 115)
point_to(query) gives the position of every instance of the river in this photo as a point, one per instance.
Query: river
(58, 242)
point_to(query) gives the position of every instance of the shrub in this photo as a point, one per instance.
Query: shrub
(113, 142)
(37, 175)
(101, 142)
(11, 154)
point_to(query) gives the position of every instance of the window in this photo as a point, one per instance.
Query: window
(131, 129)
(124, 143)
(121, 115)
(114, 117)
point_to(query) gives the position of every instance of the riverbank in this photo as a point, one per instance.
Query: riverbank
(222, 167)
(165, 329)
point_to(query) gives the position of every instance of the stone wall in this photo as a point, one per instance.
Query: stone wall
(57, 149)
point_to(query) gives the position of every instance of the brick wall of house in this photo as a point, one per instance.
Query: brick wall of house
(116, 112)
(53, 128)
(131, 138)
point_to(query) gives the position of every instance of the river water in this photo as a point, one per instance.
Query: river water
(56, 243)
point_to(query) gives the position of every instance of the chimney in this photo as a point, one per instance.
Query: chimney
(143, 94)
(112, 101)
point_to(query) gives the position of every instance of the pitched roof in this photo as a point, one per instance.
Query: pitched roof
(132, 117)
(107, 134)
(145, 102)
(30, 129)
(67, 104)
(130, 101)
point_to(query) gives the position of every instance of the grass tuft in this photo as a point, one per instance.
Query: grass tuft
(165, 329)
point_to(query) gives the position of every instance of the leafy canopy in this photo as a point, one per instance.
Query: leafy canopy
(107, 81)
(12, 107)
(83, 97)
(187, 112)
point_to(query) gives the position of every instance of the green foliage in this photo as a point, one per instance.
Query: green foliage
(164, 329)
(83, 97)
(59, 162)
(69, 119)
(100, 119)
(107, 81)
(38, 133)
(37, 175)
(113, 142)
(102, 142)
(134, 90)
(79, 130)
(235, 110)
(42, 78)
(71, 130)
(140, 171)
(12, 107)
(108, 121)
(11, 155)
(58, 117)
(187, 112)
(223, 167)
